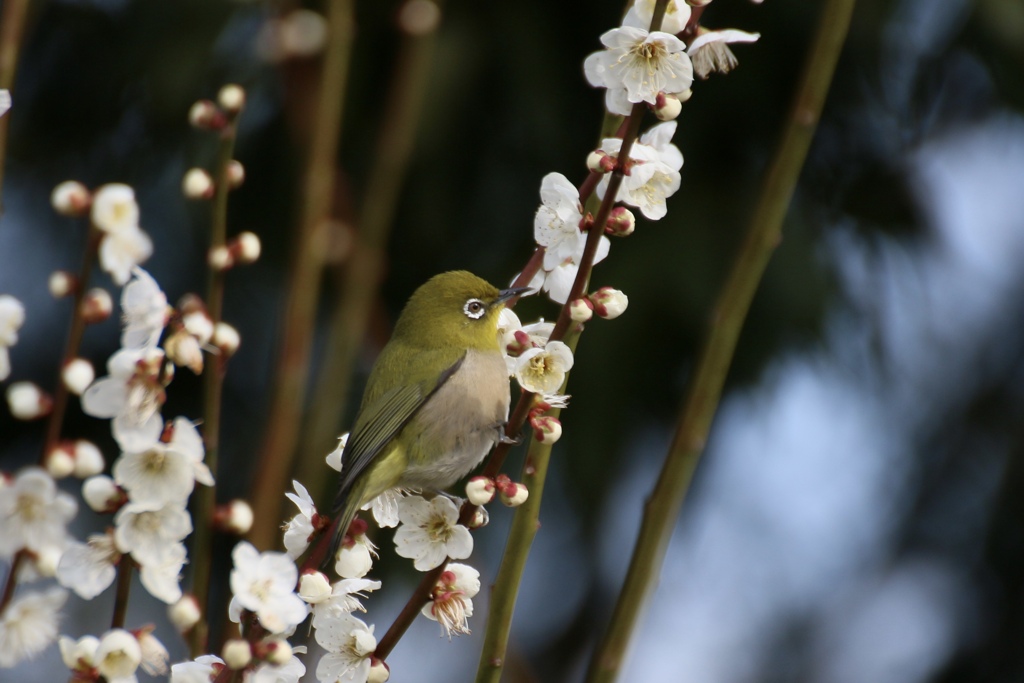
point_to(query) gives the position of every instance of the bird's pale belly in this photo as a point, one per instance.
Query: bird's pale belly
(460, 424)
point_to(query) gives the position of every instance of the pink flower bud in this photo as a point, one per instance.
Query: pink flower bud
(609, 303)
(88, 459)
(77, 375)
(237, 653)
(96, 306)
(234, 517)
(245, 247)
(62, 283)
(314, 586)
(184, 351)
(480, 519)
(667, 107)
(621, 222)
(379, 671)
(102, 495)
(514, 495)
(197, 322)
(581, 310)
(601, 162)
(205, 115)
(27, 401)
(60, 461)
(220, 258)
(276, 652)
(197, 184)
(71, 198)
(231, 98)
(521, 343)
(546, 429)
(236, 174)
(480, 490)
(225, 338)
(185, 613)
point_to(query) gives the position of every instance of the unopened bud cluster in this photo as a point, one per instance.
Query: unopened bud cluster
(546, 428)
(481, 491)
(79, 458)
(215, 116)
(245, 248)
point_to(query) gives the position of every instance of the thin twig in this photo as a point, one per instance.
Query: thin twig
(764, 233)
(213, 385)
(124, 584)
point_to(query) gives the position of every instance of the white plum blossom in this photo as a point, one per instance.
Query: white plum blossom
(289, 672)
(677, 13)
(122, 251)
(88, 568)
(12, 317)
(33, 513)
(143, 310)
(124, 244)
(349, 643)
(162, 579)
(155, 656)
(556, 225)
(452, 598)
(264, 584)
(118, 656)
(542, 370)
(114, 208)
(654, 170)
(384, 508)
(355, 557)
(132, 395)
(710, 53)
(334, 457)
(28, 625)
(299, 529)
(203, 670)
(151, 534)
(160, 473)
(79, 655)
(344, 598)
(637, 66)
(430, 532)
(5, 101)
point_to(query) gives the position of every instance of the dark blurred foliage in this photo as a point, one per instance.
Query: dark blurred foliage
(103, 93)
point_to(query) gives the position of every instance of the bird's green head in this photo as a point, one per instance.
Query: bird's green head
(455, 309)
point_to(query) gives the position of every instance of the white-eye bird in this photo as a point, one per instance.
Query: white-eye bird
(437, 398)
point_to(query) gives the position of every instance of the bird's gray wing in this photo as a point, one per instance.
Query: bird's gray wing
(385, 418)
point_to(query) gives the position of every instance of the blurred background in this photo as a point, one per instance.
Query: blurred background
(858, 513)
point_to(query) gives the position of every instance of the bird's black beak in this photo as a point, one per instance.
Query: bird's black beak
(506, 294)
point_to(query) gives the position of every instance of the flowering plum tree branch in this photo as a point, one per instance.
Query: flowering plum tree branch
(763, 235)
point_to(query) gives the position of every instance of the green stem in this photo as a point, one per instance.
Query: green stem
(764, 233)
(213, 385)
(364, 269)
(520, 539)
(279, 449)
(12, 31)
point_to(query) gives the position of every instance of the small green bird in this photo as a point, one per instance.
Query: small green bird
(437, 398)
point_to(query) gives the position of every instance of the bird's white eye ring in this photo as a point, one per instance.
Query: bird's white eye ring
(474, 309)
